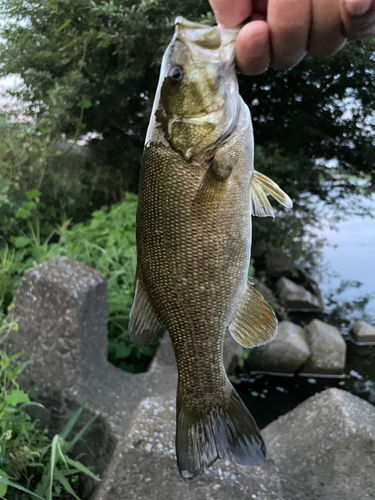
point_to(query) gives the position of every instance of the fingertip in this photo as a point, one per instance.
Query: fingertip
(357, 7)
(230, 14)
(358, 17)
(253, 53)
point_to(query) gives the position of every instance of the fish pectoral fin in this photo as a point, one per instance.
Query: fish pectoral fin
(213, 184)
(254, 322)
(259, 187)
(144, 326)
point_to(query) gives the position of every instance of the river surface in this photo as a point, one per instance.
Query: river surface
(349, 259)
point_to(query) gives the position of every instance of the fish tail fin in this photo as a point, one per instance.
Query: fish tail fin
(225, 430)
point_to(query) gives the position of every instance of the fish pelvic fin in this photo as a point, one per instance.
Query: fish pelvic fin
(259, 187)
(144, 326)
(254, 322)
(226, 430)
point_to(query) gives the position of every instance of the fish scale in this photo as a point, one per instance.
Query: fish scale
(197, 191)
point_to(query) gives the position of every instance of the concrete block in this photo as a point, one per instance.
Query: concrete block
(144, 465)
(362, 333)
(327, 347)
(61, 309)
(285, 354)
(325, 448)
(295, 297)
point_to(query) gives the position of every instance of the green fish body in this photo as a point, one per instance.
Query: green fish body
(198, 190)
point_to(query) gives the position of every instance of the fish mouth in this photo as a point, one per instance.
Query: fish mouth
(204, 36)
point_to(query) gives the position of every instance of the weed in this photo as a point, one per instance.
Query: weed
(30, 462)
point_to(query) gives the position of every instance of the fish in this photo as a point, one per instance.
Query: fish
(197, 194)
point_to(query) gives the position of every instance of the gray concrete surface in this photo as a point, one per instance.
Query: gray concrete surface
(325, 448)
(327, 347)
(285, 354)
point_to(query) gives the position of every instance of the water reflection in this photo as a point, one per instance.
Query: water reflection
(270, 396)
(350, 257)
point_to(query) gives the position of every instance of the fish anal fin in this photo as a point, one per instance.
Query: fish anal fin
(144, 326)
(227, 430)
(259, 188)
(254, 322)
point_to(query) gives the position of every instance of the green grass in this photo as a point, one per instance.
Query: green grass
(106, 242)
(31, 464)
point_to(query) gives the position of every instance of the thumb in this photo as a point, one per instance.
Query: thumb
(230, 13)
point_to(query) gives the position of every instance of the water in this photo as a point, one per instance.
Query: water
(270, 396)
(349, 292)
(350, 257)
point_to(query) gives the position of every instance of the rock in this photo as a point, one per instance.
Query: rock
(265, 291)
(278, 265)
(362, 333)
(296, 298)
(325, 448)
(327, 347)
(285, 354)
(61, 309)
(144, 465)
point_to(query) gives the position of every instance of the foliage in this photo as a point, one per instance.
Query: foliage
(32, 465)
(87, 67)
(68, 177)
(91, 67)
(25, 250)
(106, 242)
(89, 72)
(319, 117)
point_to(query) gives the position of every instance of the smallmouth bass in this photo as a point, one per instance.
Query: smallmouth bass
(198, 190)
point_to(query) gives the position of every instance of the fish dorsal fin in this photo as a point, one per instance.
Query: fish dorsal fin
(260, 186)
(254, 322)
(144, 326)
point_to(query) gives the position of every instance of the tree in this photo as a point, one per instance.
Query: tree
(92, 66)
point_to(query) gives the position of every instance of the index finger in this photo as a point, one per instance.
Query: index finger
(358, 17)
(230, 13)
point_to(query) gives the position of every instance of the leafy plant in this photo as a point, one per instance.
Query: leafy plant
(30, 462)
(107, 242)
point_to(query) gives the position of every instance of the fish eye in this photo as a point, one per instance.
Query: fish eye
(176, 74)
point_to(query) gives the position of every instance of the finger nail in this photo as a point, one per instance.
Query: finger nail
(358, 7)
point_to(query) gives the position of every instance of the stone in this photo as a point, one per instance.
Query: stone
(325, 448)
(295, 297)
(278, 265)
(285, 354)
(61, 309)
(144, 465)
(362, 333)
(265, 291)
(327, 347)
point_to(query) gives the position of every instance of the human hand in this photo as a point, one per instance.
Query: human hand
(281, 32)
